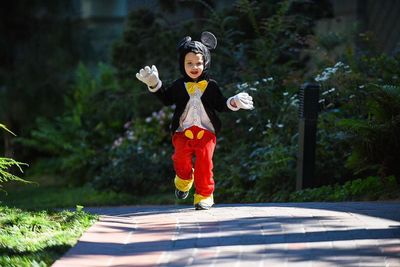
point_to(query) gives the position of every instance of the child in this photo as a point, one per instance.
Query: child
(194, 123)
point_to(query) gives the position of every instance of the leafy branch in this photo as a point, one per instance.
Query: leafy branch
(5, 128)
(7, 163)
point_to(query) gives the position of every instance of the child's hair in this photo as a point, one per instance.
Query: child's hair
(186, 45)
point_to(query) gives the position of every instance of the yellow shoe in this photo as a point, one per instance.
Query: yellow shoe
(202, 206)
(202, 202)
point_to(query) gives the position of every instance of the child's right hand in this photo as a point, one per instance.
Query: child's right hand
(149, 76)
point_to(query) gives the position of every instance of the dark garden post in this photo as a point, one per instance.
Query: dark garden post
(308, 111)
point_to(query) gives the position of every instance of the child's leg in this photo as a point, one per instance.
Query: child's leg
(182, 159)
(203, 175)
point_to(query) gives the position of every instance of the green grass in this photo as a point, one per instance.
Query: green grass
(38, 238)
(33, 230)
(34, 197)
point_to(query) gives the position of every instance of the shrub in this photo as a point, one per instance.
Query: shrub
(375, 138)
(370, 188)
(72, 144)
(259, 157)
(256, 150)
(359, 119)
(139, 161)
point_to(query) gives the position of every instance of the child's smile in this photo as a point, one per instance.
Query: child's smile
(194, 72)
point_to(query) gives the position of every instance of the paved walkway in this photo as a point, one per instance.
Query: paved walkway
(284, 234)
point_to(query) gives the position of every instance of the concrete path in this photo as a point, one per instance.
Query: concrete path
(284, 234)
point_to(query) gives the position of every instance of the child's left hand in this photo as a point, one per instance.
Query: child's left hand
(243, 100)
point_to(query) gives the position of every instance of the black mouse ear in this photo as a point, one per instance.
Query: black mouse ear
(184, 41)
(209, 40)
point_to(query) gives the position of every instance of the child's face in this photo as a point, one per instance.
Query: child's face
(194, 65)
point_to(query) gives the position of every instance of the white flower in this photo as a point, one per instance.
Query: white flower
(322, 78)
(161, 114)
(294, 102)
(129, 135)
(242, 86)
(117, 142)
(339, 64)
(328, 72)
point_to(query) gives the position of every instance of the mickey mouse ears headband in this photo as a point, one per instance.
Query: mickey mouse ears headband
(207, 38)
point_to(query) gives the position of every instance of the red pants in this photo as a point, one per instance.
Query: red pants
(199, 143)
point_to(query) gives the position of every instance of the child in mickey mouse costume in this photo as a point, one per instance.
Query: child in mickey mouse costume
(195, 122)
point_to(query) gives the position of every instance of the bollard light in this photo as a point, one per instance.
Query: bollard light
(308, 113)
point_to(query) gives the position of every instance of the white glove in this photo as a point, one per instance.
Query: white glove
(149, 77)
(243, 100)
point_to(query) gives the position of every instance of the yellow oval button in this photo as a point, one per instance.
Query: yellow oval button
(200, 134)
(189, 134)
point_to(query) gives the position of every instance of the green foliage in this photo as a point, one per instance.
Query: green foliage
(332, 150)
(139, 160)
(360, 118)
(74, 141)
(39, 47)
(370, 188)
(108, 138)
(85, 144)
(56, 197)
(258, 157)
(2, 126)
(380, 131)
(146, 40)
(38, 238)
(6, 164)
